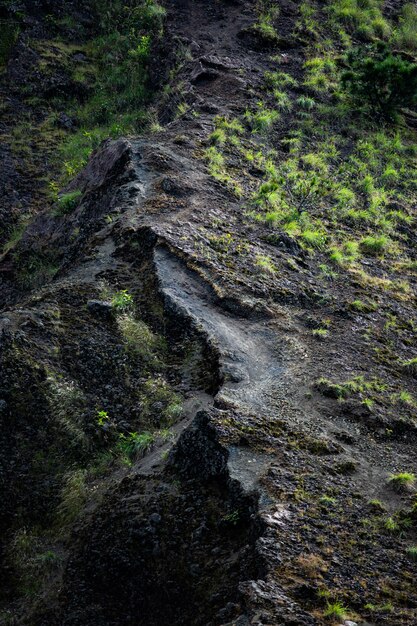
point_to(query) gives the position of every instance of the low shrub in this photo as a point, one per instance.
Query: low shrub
(380, 80)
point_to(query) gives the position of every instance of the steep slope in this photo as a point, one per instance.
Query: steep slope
(204, 402)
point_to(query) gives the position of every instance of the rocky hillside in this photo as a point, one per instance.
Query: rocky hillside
(208, 351)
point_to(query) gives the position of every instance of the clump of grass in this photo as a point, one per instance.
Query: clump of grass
(403, 481)
(363, 307)
(312, 565)
(306, 103)
(403, 397)
(226, 130)
(73, 497)
(67, 202)
(120, 56)
(362, 17)
(216, 163)
(232, 518)
(138, 337)
(335, 610)
(321, 74)
(410, 366)
(327, 271)
(377, 506)
(412, 553)
(341, 391)
(282, 100)
(314, 239)
(320, 333)
(391, 525)
(405, 35)
(374, 246)
(262, 120)
(265, 23)
(266, 264)
(67, 404)
(159, 403)
(277, 80)
(135, 444)
(381, 608)
(346, 467)
(327, 501)
(15, 235)
(32, 561)
(218, 137)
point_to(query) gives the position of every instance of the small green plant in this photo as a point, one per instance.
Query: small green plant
(374, 246)
(335, 610)
(265, 23)
(412, 553)
(182, 109)
(102, 418)
(363, 307)
(282, 100)
(266, 264)
(321, 74)
(47, 558)
(402, 481)
(218, 137)
(377, 506)
(327, 272)
(314, 239)
(403, 397)
(391, 525)
(381, 608)
(327, 501)
(122, 300)
(320, 333)
(356, 385)
(67, 202)
(306, 103)
(410, 366)
(262, 120)
(135, 444)
(15, 235)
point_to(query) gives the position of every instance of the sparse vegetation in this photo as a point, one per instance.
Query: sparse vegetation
(357, 385)
(412, 552)
(410, 366)
(335, 610)
(69, 201)
(402, 481)
(73, 497)
(135, 444)
(122, 300)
